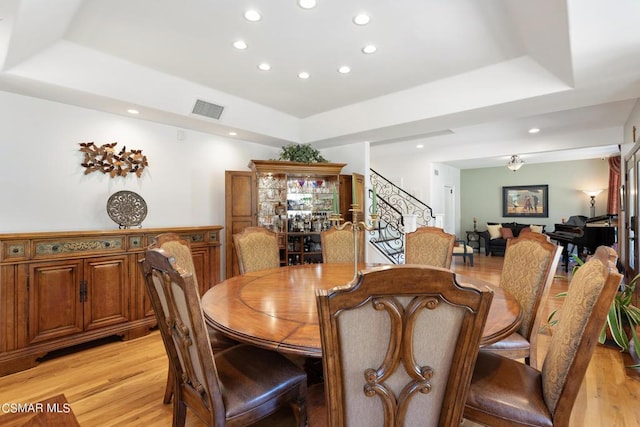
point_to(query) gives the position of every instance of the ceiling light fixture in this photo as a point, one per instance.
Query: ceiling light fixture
(304, 75)
(307, 4)
(369, 49)
(515, 163)
(534, 130)
(133, 111)
(345, 69)
(420, 146)
(361, 19)
(240, 44)
(232, 133)
(264, 67)
(252, 15)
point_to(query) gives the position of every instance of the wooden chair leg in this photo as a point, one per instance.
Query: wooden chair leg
(168, 391)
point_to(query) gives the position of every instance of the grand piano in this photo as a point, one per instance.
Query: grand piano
(584, 234)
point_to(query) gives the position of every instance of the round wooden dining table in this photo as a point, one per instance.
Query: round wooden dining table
(276, 308)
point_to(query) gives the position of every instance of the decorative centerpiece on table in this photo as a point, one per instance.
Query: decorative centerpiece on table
(357, 225)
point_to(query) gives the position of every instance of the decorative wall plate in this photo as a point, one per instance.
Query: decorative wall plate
(127, 209)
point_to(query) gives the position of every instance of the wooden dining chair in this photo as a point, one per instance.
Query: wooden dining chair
(505, 392)
(178, 248)
(530, 262)
(429, 246)
(398, 348)
(237, 386)
(256, 249)
(337, 245)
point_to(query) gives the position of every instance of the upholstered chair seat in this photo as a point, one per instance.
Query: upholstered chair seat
(429, 246)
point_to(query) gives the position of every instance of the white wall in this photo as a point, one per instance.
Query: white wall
(43, 186)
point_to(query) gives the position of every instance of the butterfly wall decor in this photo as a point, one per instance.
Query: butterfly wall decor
(105, 159)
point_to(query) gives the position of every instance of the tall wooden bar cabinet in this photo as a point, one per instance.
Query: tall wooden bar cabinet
(290, 198)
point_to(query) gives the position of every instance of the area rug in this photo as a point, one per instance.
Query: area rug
(54, 411)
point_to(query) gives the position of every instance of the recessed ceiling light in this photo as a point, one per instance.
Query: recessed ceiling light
(264, 66)
(420, 146)
(133, 111)
(304, 75)
(361, 19)
(232, 133)
(369, 49)
(534, 130)
(307, 4)
(252, 15)
(240, 44)
(345, 69)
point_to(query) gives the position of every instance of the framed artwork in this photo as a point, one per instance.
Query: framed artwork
(525, 201)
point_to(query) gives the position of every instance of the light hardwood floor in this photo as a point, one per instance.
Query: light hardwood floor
(122, 383)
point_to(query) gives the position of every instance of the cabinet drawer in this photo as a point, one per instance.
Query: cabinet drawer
(194, 238)
(16, 250)
(66, 247)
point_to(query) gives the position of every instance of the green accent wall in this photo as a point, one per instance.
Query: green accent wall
(481, 191)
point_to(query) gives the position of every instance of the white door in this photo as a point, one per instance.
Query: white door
(449, 209)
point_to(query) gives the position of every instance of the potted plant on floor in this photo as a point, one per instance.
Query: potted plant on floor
(623, 319)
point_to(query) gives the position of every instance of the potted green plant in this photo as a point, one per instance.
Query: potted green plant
(623, 318)
(302, 153)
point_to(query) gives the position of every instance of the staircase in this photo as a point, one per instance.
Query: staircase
(394, 205)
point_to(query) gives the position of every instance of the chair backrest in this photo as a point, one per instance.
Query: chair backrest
(175, 246)
(399, 345)
(585, 308)
(429, 246)
(176, 302)
(257, 249)
(530, 262)
(337, 245)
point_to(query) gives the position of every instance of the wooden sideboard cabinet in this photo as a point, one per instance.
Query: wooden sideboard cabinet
(59, 289)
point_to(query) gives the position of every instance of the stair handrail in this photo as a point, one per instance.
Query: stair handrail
(394, 204)
(399, 197)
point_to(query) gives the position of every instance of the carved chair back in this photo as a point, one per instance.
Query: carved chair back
(178, 248)
(399, 346)
(176, 302)
(256, 249)
(429, 246)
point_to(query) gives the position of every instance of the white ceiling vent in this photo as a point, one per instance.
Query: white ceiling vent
(207, 109)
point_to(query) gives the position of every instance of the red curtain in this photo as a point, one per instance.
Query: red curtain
(613, 199)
